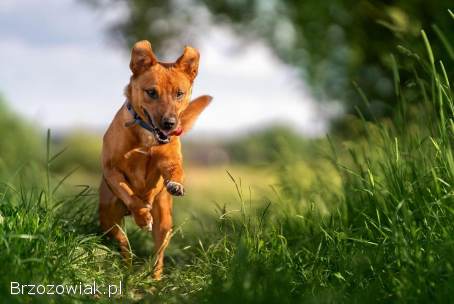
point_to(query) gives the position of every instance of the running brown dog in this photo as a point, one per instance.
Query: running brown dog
(141, 155)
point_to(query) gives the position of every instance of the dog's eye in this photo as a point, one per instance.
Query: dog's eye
(152, 93)
(180, 94)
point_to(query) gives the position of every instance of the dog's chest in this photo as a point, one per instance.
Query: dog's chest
(141, 170)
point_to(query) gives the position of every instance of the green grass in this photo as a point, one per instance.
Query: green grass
(366, 221)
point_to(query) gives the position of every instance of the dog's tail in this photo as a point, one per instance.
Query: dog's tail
(190, 114)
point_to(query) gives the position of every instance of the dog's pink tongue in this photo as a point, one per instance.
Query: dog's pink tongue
(177, 132)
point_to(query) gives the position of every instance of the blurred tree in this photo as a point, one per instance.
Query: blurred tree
(266, 146)
(332, 42)
(82, 150)
(20, 142)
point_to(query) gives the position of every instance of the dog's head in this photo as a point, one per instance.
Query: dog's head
(161, 92)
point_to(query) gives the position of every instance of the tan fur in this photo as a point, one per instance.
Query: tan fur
(138, 173)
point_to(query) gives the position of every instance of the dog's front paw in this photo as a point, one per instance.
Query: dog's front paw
(175, 188)
(143, 218)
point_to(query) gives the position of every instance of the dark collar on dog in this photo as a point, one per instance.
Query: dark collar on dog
(160, 137)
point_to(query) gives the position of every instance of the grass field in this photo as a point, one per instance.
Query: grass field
(364, 221)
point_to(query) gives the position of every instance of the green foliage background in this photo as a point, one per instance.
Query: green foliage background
(332, 43)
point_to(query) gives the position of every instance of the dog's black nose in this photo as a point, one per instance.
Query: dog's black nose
(168, 123)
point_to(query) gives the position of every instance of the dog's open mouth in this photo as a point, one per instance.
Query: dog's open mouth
(161, 136)
(164, 137)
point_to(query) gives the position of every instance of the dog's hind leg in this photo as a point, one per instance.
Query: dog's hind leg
(111, 213)
(162, 229)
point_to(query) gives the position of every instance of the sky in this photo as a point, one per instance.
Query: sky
(60, 69)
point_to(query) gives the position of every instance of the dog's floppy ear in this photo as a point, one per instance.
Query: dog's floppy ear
(189, 62)
(193, 110)
(142, 57)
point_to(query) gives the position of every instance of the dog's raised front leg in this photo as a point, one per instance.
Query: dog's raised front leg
(170, 164)
(172, 171)
(123, 191)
